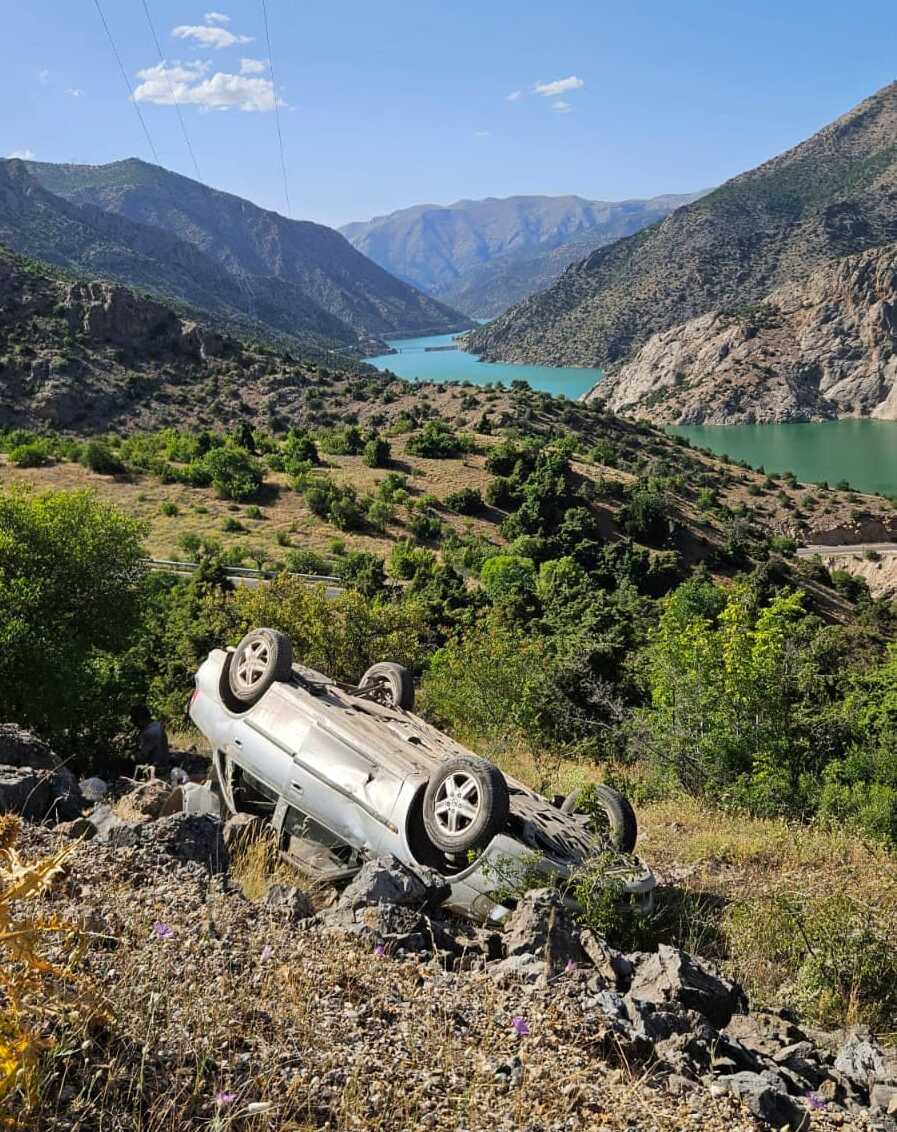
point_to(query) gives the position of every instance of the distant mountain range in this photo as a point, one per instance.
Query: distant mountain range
(831, 196)
(144, 226)
(481, 256)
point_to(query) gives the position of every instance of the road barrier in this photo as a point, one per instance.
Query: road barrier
(175, 567)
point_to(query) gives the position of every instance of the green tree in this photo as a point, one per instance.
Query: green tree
(235, 474)
(70, 582)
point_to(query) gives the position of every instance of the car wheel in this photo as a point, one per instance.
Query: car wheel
(617, 809)
(396, 682)
(261, 658)
(465, 805)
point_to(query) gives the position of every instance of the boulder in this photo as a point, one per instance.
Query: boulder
(287, 900)
(764, 1094)
(81, 829)
(40, 795)
(862, 1059)
(20, 748)
(540, 925)
(672, 975)
(94, 789)
(395, 927)
(144, 803)
(387, 881)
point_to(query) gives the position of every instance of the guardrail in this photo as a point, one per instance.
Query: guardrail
(175, 567)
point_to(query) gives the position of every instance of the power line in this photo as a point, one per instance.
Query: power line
(152, 28)
(283, 163)
(124, 75)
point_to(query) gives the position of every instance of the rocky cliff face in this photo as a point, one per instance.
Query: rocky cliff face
(831, 196)
(820, 348)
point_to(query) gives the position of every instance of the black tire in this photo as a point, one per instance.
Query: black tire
(620, 814)
(261, 658)
(397, 682)
(480, 807)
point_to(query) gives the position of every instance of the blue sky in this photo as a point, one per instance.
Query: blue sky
(390, 103)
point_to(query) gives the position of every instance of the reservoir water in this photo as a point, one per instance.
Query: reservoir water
(862, 452)
(415, 362)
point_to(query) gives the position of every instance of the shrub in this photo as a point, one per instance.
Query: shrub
(234, 473)
(437, 441)
(504, 493)
(425, 524)
(377, 452)
(169, 508)
(362, 572)
(305, 561)
(465, 501)
(33, 455)
(100, 458)
(509, 580)
(342, 441)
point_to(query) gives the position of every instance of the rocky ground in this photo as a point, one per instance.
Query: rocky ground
(212, 992)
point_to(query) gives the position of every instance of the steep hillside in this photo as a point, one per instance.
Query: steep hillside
(86, 240)
(822, 347)
(484, 255)
(833, 195)
(268, 261)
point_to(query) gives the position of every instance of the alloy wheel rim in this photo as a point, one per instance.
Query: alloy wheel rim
(252, 664)
(457, 803)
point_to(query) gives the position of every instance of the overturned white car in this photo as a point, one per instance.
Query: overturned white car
(346, 773)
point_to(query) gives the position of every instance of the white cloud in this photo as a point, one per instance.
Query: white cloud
(22, 154)
(561, 107)
(216, 18)
(253, 66)
(483, 134)
(210, 37)
(559, 86)
(515, 96)
(189, 84)
(74, 92)
(43, 77)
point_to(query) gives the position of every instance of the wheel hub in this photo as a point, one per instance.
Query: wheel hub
(457, 803)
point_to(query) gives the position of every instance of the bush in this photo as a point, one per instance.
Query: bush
(509, 580)
(169, 508)
(465, 501)
(342, 441)
(70, 574)
(100, 458)
(234, 473)
(33, 455)
(504, 493)
(299, 451)
(437, 441)
(425, 524)
(304, 561)
(377, 452)
(362, 572)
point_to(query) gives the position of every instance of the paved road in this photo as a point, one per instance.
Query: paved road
(838, 551)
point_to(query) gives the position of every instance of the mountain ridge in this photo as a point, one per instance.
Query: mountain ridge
(264, 266)
(832, 195)
(485, 254)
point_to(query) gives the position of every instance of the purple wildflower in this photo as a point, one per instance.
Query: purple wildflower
(520, 1026)
(380, 951)
(570, 967)
(163, 931)
(223, 1098)
(267, 952)
(814, 1101)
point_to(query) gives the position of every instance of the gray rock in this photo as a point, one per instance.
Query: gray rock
(290, 901)
(764, 1095)
(387, 880)
(40, 795)
(18, 747)
(81, 829)
(523, 967)
(862, 1059)
(181, 836)
(541, 926)
(764, 1032)
(674, 976)
(241, 830)
(93, 789)
(613, 965)
(395, 927)
(884, 1097)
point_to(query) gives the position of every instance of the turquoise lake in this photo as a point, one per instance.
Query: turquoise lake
(415, 363)
(863, 452)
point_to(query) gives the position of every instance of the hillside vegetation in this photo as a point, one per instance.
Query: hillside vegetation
(833, 195)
